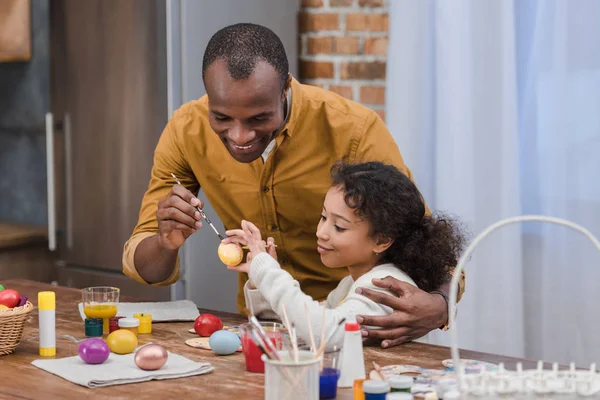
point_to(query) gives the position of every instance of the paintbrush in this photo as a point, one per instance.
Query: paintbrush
(263, 335)
(378, 370)
(202, 213)
(322, 346)
(313, 346)
(267, 245)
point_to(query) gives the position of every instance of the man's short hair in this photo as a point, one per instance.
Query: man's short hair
(241, 46)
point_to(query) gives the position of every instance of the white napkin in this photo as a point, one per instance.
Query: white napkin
(119, 370)
(179, 310)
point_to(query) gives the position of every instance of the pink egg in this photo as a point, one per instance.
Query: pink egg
(93, 351)
(151, 357)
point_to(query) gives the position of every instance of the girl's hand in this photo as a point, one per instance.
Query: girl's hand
(249, 236)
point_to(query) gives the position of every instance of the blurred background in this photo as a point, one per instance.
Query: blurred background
(495, 106)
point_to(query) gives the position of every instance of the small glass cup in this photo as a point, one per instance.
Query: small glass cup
(329, 373)
(251, 351)
(100, 302)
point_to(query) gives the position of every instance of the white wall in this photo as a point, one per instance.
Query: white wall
(206, 281)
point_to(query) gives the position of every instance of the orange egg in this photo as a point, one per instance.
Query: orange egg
(231, 254)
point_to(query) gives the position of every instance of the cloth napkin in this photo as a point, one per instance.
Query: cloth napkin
(119, 370)
(179, 310)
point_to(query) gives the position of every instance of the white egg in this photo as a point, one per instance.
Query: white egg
(224, 342)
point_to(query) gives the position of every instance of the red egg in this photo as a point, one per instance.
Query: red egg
(151, 357)
(207, 324)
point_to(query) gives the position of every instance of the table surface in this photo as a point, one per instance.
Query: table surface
(21, 380)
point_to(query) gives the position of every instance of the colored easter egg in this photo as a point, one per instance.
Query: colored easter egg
(206, 324)
(3, 307)
(93, 351)
(224, 342)
(231, 254)
(10, 298)
(151, 357)
(22, 301)
(1, 287)
(122, 341)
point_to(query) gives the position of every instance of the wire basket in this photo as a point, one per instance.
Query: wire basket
(12, 322)
(520, 382)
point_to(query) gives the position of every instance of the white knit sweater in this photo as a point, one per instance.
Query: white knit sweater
(275, 287)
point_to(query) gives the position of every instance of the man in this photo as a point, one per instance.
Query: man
(260, 144)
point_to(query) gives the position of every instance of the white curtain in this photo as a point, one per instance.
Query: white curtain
(496, 108)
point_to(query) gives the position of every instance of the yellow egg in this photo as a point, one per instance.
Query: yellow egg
(3, 307)
(231, 254)
(122, 341)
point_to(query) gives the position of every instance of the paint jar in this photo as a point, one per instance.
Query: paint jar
(93, 327)
(252, 353)
(400, 383)
(113, 324)
(330, 373)
(145, 323)
(288, 379)
(358, 389)
(131, 324)
(375, 390)
(399, 396)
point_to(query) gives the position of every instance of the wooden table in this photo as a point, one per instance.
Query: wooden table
(21, 380)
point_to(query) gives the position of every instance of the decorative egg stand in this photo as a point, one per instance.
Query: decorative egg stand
(539, 381)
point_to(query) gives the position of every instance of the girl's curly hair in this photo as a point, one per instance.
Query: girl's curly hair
(426, 247)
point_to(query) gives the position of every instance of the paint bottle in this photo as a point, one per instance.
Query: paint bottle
(353, 362)
(93, 327)
(401, 383)
(145, 323)
(131, 324)
(399, 396)
(375, 390)
(113, 324)
(357, 389)
(47, 323)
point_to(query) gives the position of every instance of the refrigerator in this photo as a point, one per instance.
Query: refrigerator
(108, 107)
(119, 69)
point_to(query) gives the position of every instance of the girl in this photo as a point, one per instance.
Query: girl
(374, 224)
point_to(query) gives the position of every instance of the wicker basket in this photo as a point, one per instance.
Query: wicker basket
(11, 327)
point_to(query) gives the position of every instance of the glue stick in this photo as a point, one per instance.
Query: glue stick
(353, 363)
(47, 322)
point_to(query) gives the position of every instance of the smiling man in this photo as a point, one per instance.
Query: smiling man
(260, 145)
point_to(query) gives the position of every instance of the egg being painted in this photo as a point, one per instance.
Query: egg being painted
(231, 254)
(151, 357)
(224, 342)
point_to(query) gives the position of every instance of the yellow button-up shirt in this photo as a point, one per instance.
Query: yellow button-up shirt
(283, 195)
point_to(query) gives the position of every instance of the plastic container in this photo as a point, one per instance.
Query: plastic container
(353, 362)
(401, 383)
(145, 323)
(375, 390)
(357, 388)
(287, 379)
(131, 324)
(47, 323)
(113, 324)
(399, 396)
(93, 327)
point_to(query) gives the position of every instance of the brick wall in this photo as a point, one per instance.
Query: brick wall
(343, 48)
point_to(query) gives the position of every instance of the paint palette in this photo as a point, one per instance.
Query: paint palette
(202, 343)
(426, 380)
(235, 329)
